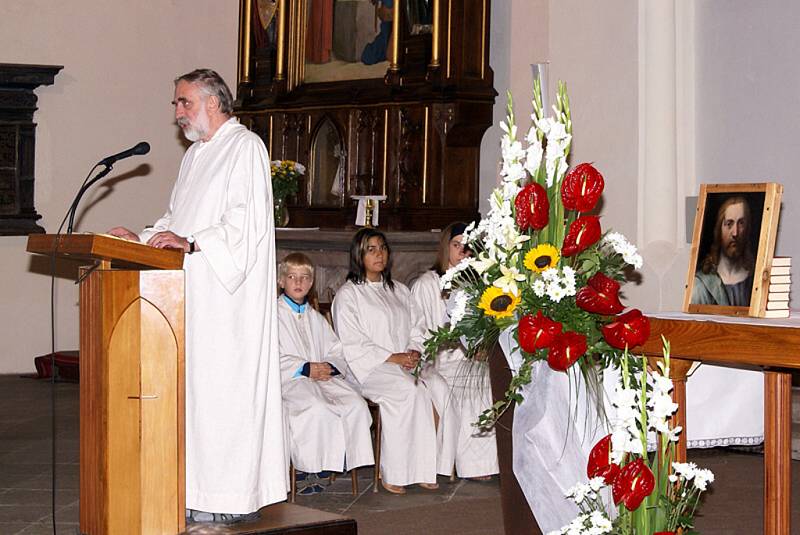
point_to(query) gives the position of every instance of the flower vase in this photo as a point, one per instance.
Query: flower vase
(281, 213)
(517, 514)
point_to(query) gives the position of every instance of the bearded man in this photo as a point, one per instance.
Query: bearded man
(725, 277)
(219, 216)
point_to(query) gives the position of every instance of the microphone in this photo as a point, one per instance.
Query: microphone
(143, 147)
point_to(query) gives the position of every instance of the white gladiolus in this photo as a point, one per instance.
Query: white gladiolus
(625, 433)
(446, 281)
(533, 158)
(459, 309)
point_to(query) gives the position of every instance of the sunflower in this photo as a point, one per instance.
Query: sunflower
(495, 302)
(541, 257)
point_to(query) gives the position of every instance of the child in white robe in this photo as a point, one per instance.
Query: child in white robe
(475, 451)
(382, 332)
(328, 420)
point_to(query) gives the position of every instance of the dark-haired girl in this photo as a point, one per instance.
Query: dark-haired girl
(382, 332)
(474, 453)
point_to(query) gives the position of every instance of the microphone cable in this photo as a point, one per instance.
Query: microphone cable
(53, 257)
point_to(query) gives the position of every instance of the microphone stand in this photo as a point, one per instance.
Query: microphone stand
(74, 206)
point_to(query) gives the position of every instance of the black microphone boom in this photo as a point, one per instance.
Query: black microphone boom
(143, 147)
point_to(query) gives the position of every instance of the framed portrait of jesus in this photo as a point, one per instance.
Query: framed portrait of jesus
(732, 247)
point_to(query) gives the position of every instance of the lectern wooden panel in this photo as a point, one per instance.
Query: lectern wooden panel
(132, 474)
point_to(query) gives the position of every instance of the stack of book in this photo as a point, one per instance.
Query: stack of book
(780, 281)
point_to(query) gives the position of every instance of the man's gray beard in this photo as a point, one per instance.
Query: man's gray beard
(192, 134)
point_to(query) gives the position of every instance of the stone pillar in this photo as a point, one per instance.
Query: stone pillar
(666, 120)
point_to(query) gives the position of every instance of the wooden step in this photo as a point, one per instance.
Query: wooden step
(284, 518)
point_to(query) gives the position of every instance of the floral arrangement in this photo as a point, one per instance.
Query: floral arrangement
(653, 494)
(285, 178)
(541, 264)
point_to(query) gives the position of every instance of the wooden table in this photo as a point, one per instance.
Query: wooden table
(774, 346)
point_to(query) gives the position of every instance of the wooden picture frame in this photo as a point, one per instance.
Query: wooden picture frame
(735, 227)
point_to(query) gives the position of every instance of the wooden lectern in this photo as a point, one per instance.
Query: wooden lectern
(132, 472)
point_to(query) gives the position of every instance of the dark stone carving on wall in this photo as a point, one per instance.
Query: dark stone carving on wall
(17, 145)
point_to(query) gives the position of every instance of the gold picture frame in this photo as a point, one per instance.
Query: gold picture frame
(729, 220)
(292, 29)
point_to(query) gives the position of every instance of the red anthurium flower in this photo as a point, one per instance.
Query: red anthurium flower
(583, 232)
(600, 464)
(565, 350)
(532, 206)
(537, 332)
(601, 296)
(630, 329)
(581, 188)
(634, 483)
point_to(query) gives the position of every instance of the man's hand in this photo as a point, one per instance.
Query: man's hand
(125, 234)
(168, 239)
(320, 371)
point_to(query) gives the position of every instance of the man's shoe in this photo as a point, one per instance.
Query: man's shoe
(194, 516)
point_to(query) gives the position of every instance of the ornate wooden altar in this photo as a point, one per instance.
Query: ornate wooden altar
(404, 119)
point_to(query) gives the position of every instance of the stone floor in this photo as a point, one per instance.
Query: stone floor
(734, 505)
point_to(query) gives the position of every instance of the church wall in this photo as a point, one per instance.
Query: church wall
(600, 68)
(748, 102)
(119, 58)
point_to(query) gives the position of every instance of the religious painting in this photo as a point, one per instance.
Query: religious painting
(732, 247)
(264, 32)
(347, 39)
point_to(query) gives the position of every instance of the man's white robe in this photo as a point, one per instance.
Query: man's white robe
(235, 459)
(373, 322)
(475, 452)
(328, 420)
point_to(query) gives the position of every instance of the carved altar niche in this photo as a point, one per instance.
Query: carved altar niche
(18, 145)
(408, 127)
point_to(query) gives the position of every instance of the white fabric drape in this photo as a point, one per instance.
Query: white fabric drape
(235, 458)
(555, 428)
